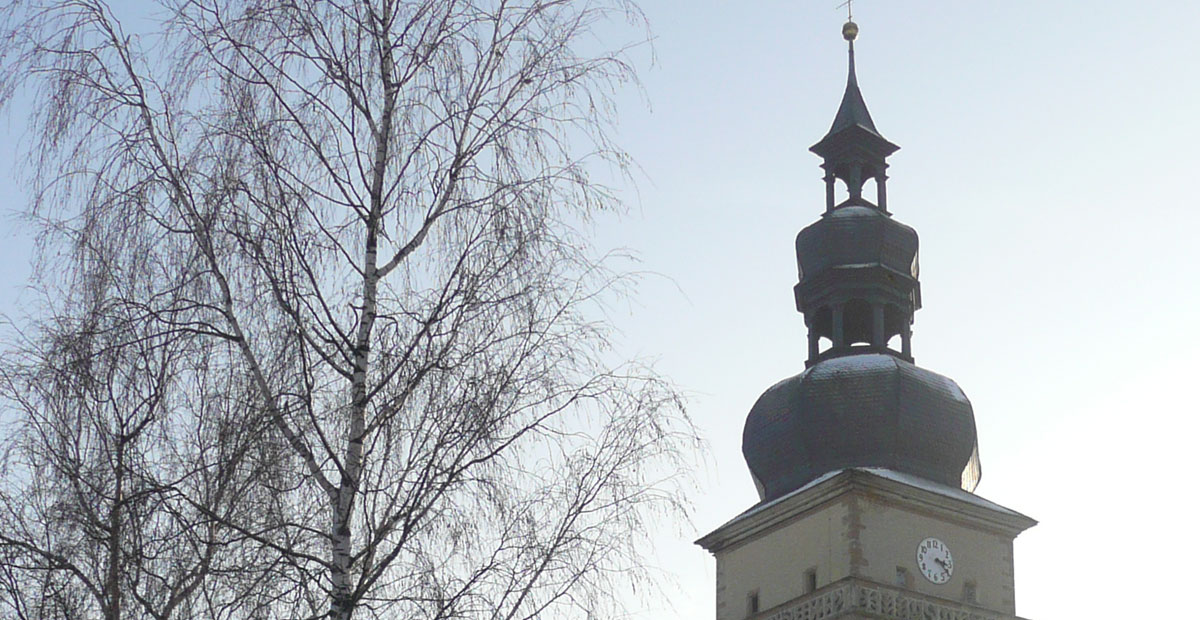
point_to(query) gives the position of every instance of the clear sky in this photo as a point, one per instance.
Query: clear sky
(1048, 164)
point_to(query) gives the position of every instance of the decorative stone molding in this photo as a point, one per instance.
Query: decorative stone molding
(876, 601)
(952, 503)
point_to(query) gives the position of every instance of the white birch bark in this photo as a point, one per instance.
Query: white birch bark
(373, 215)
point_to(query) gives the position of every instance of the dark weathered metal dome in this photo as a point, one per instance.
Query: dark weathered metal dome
(868, 410)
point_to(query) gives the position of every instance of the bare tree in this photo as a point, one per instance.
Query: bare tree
(124, 460)
(373, 215)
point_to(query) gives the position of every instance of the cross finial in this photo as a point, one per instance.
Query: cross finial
(849, 4)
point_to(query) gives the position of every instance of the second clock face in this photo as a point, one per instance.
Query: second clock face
(934, 560)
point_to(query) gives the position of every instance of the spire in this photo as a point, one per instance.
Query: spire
(858, 286)
(853, 150)
(853, 110)
(862, 402)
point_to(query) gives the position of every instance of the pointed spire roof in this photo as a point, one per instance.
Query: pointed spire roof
(853, 110)
(853, 133)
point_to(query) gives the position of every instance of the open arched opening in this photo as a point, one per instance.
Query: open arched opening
(856, 322)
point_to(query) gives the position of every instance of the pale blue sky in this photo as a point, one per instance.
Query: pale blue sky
(1046, 162)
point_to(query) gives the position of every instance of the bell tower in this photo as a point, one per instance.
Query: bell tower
(865, 463)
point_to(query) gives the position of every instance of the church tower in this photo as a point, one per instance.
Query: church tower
(865, 463)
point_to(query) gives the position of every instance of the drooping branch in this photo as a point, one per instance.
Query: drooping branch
(361, 229)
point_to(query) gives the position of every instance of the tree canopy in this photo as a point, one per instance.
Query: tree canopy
(325, 333)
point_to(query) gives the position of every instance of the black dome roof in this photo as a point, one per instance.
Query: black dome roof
(868, 410)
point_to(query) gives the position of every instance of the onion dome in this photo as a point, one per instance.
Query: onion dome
(861, 402)
(869, 410)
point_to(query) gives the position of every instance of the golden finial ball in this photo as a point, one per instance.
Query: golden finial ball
(850, 31)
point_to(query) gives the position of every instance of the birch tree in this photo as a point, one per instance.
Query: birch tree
(122, 467)
(373, 216)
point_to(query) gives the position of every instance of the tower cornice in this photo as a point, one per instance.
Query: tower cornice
(945, 502)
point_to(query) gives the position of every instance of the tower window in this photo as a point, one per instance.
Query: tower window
(810, 580)
(969, 592)
(752, 603)
(902, 577)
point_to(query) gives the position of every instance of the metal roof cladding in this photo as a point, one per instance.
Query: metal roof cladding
(860, 403)
(867, 410)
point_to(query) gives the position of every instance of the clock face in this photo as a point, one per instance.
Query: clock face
(934, 560)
